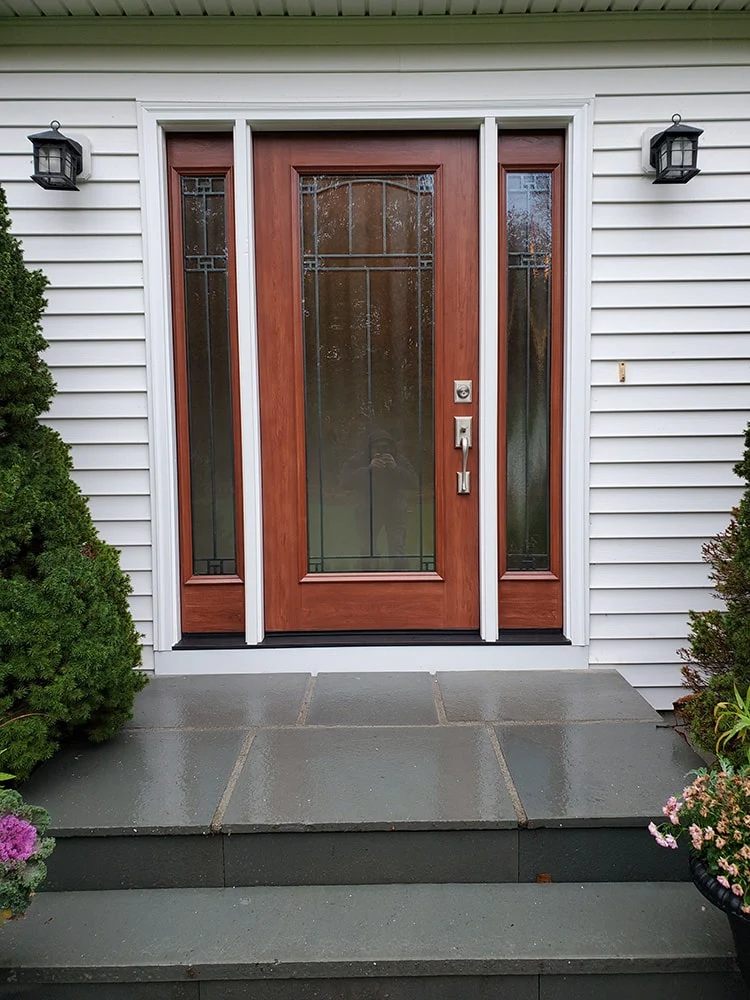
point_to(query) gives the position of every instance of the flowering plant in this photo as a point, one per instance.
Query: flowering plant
(23, 848)
(714, 814)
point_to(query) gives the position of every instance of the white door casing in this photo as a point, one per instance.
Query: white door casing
(573, 114)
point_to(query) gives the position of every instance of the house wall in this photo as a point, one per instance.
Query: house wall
(670, 294)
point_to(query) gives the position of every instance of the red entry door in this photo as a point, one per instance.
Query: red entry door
(366, 251)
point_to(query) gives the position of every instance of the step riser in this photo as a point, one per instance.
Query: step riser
(362, 857)
(649, 986)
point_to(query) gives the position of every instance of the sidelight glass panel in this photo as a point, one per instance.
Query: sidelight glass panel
(206, 278)
(529, 310)
(368, 320)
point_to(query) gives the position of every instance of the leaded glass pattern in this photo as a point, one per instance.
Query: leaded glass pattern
(529, 311)
(206, 280)
(368, 320)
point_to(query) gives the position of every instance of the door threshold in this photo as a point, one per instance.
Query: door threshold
(425, 637)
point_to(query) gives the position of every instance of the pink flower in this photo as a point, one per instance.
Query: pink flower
(17, 839)
(661, 840)
(738, 890)
(723, 880)
(672, 809)
(708, 833)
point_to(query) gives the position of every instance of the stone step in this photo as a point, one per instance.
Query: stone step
(372, 942)
(379, 778)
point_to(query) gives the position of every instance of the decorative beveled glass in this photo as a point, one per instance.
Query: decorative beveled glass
(367, 267)
(206, 280)
(529, 338)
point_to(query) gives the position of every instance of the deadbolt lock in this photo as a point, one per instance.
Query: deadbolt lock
(462, 391)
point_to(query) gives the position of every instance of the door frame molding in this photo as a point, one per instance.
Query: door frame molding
(574, 114)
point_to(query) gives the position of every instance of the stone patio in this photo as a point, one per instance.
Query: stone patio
(413, 785)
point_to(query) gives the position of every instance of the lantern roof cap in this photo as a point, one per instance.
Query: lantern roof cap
(678, 128)
(54, 135)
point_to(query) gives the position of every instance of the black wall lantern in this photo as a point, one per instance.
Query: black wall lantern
(673, 152)
(59, 160)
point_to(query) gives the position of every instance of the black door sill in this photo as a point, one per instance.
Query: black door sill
(532, 637)
(430, 637)
(427, 637)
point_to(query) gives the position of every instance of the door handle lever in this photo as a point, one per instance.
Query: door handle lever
(462, 439)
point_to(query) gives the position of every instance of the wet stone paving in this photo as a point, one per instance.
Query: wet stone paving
(491, 754)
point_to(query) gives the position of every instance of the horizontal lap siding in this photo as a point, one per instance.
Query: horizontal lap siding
(670, 294)
(670, 298)
(90, 247)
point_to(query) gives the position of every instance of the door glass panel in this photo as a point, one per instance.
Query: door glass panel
(206, 277)
(368, 320)
(529, 242)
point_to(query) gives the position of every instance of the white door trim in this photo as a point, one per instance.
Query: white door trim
(573, 113)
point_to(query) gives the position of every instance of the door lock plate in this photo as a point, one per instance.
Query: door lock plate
(462, 429)
(463, 390)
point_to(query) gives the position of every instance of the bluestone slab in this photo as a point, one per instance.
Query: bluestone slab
(175, 935)
(541, 696)
(102, 991)
(139, 782)
(386, 988)
(591, 774)
(696, 986)
(135, 862)
(371, 857)
(223, 701)
(598, 854)
(403, 699)
(324, 779)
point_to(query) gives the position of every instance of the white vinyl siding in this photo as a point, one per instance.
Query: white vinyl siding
(670, 294)
(670, 298)
(94, 321)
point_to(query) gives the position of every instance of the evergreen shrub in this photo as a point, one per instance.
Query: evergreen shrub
(717, 658)
(68, 646)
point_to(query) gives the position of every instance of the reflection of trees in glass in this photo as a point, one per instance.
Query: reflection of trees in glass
(529, 242)
(367, 268)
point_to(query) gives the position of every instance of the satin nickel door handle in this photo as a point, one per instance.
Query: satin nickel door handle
(462, 439)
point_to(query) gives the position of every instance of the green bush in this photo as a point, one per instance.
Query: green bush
(68, 646)
(717, 658)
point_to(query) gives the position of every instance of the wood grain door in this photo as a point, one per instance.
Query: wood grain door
(366, 248)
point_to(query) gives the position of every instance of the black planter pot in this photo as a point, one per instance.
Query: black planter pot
(726, 900)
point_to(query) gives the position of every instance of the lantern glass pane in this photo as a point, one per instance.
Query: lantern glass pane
(45, 162)
(68, 166)
(663, 157)
(682, 152)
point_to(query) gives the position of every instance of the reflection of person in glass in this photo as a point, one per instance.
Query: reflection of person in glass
(379, 477)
